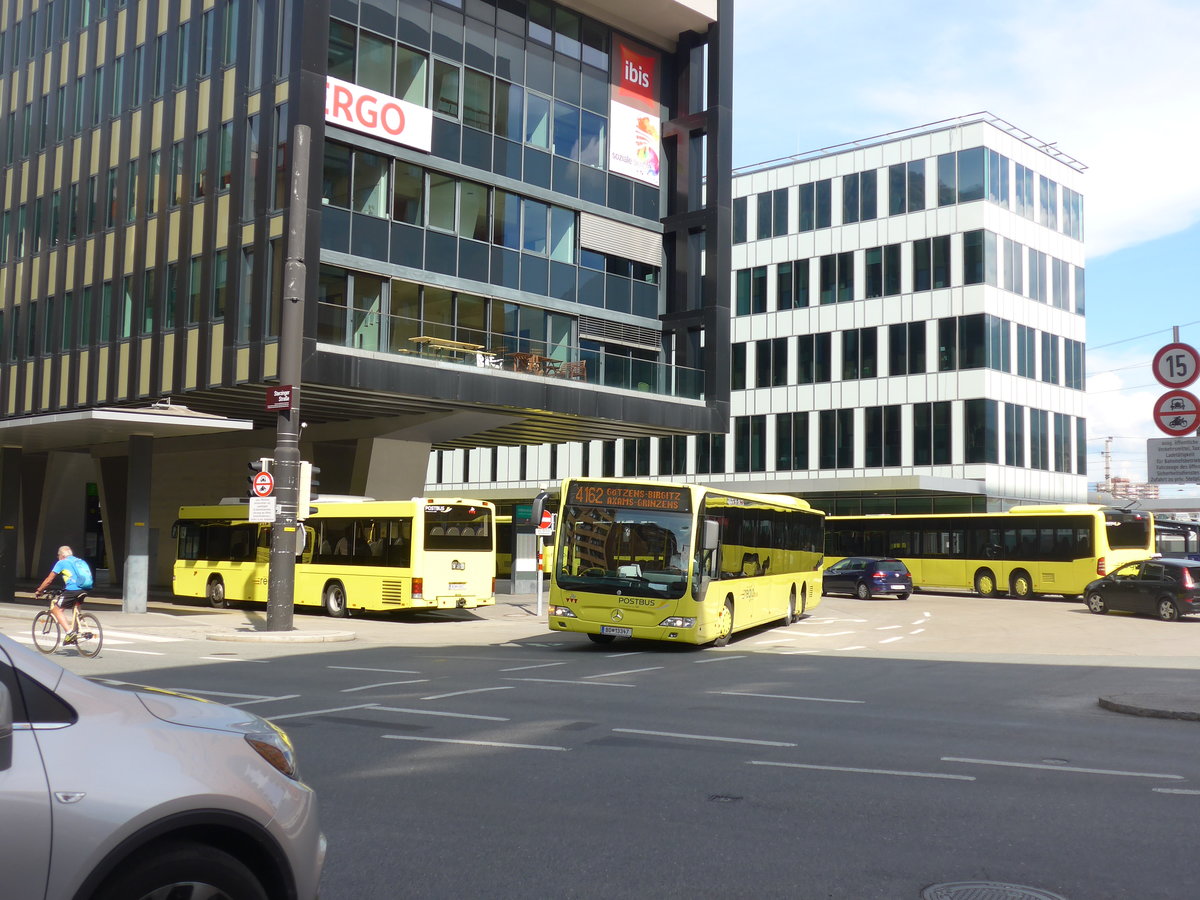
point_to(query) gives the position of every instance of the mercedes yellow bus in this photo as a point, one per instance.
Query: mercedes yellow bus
(679, 562)
(1025, 551)
(423, 553)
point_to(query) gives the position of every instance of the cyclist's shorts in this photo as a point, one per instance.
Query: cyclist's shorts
(70, 599)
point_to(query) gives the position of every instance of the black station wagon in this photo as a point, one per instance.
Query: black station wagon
(1168, 588)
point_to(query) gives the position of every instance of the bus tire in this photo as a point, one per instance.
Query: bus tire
(985, 583)
(335, 600)
(863, 591)
(724, 624)
(790, 616)
(215, 592)
(601, 638)
(803, 603)
(1021, 585)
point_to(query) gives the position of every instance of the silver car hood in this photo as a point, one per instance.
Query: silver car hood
(180, 709)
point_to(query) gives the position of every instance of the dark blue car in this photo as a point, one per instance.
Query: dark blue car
(868, 576)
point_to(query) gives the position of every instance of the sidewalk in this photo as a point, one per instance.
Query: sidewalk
(186, 618)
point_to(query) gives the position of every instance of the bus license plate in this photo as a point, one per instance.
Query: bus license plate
(458, 585)
(616, 631)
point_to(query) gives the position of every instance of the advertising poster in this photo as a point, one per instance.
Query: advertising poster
(370, 112)
(634, 124)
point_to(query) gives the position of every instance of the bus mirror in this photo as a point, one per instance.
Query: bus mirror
(712, 534)
(538, 507)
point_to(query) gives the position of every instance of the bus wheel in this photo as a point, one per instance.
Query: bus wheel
(985, 583)
(335, 600)
(724, 624)
(216, 593)
(803, 603)
(790, 616)
(1022, 585)
(601, 638)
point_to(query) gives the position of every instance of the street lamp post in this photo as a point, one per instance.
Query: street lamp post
(281, 583)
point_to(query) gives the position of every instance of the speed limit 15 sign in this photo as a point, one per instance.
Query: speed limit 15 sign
(1176, 365)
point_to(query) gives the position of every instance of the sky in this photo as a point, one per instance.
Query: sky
(1114, 85)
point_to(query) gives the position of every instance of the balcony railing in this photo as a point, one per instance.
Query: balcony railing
(501, 351)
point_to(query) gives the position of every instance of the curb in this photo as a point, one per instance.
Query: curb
(1152, 706)
(281, 637)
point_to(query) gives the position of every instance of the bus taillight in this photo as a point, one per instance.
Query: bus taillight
(1101, 568)
(418, 589)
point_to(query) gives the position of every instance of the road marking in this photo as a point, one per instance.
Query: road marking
(759, 762)
(1017, 765)
(891, 639)
(823, 633)
(704, 737)
(568, 681)
(318, 712)
(624, 653)
(136, 636)
(367, 669)
(927, 614)
(139, 652)
(28, 639)
(234, 659)
(798, 652)
(625, 672)
(265, 700)
(786, 640)
(917, 631)
(785, 697)
(434, 712)
(717, 659)
(888, 627)
(833, 620)
(538, 666)
(472, 691)
(367, 687)
(840, 649)
(1175, 791)
(407, 737)
(920, 621)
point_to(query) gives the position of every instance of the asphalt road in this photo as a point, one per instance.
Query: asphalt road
(871, 750)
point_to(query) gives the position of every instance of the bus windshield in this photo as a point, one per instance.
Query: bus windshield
(610, 550)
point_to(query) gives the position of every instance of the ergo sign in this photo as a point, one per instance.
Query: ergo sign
(370, 112)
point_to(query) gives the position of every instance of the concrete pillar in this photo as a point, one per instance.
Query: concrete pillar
(137, 524)
(388, 469)
(10, 512)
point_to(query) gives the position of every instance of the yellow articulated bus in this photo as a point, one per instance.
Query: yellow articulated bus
(679, 562)
(1025, 551)
(422, 553)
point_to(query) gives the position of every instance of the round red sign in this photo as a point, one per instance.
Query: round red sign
(1177, 412)
(1176, 365)
(264, 484)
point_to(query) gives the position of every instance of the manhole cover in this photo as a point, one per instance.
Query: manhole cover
(985, 890)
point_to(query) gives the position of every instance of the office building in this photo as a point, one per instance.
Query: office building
(907, 332)
(501, 237)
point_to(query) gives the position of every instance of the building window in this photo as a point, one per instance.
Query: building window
(739, 220)
(1014, 435)
(883, 271)
(1026, 352)
(816, 205)
(1062, 443)
(1080, 445)
(931, 263)
(1048, 202)
(931, 434)
(906, 187)
(1039, 439)
(947, 344)
(980, 431)
(859, 353)
(791, 441)
(860, 197)
(737, 367)
(1023, 191)
(835, 440)
(750, 433)
(751, 291)
(710, 454)
(814, 362)
(882, 436)
(1050, 358)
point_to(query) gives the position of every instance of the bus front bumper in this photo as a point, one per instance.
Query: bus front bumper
(681, 633)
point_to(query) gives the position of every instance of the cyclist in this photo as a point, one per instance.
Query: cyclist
(77, 579)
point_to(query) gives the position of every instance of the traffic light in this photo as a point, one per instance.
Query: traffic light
(263, 464)
(306, 493)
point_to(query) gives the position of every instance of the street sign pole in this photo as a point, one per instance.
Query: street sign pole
(281, 578)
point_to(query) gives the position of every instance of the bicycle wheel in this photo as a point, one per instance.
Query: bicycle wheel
(46, 632)
(90, 635)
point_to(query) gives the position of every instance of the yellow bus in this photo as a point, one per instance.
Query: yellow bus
(1025, 551)
(424, 553)
(679, 562)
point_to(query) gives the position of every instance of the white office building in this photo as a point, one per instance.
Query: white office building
(907, 335)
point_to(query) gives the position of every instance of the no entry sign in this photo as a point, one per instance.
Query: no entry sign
(263, 484)
(1177, 412)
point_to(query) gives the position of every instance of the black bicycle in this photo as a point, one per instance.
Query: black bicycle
(86, 635)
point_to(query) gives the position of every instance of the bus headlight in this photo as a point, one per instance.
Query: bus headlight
(563, 611)
(678, 622)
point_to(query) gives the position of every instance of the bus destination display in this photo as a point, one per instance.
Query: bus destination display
(630, 496)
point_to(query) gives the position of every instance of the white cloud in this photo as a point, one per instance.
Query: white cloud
(1112, 84)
